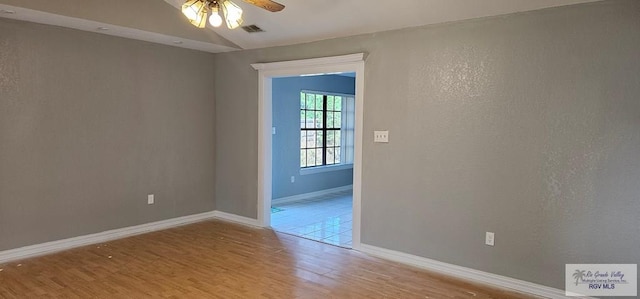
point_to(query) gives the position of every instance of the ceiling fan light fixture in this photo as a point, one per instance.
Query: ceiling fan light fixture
(201, 19)
(232, 14)
(197, 11)
(215, 19)
(191, 8)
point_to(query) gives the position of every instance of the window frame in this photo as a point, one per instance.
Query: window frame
(343, 113)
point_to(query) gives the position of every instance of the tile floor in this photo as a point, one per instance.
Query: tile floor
(326, 219)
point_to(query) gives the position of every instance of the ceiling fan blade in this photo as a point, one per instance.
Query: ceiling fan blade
(269, 5)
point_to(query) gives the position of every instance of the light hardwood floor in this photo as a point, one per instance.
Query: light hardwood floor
(216, 259)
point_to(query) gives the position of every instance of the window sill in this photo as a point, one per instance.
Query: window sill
(321, 169)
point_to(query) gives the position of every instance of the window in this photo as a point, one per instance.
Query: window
(326, 129)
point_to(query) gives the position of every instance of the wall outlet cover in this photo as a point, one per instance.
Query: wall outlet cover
(490, 239)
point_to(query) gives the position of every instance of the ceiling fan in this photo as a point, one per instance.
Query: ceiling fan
(197, 10)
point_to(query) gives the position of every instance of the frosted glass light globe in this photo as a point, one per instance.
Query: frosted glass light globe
(215, 20)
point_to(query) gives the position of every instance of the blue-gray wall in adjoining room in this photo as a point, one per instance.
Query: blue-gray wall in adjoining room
(286, 141)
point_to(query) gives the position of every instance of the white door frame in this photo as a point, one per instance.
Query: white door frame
(325, 65)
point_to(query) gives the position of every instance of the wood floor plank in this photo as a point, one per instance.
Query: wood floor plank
(217, 259)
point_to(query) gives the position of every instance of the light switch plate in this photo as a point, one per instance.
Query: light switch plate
(381, 136)
(150, 199)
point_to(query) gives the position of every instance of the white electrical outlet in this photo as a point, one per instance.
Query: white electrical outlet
(381, 136)
(490, 239)
(150, 199)
(293, 179)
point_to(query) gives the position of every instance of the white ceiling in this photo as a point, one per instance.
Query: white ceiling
(311, 20)
(301, 21)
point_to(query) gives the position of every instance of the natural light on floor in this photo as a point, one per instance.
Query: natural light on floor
(326, 219)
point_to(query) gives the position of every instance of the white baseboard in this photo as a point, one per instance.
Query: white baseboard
(236, 218)
(65, 244)
(55, 246)
(464, 273)
(299, 197)
(405, 258)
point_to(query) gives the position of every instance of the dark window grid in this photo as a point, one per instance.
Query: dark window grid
(325, 130)
(333, 154)
(310, 152)
(324, 134)
(310, 121)
(307, 119)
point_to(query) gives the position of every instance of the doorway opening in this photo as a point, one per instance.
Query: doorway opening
(312, 157)
(267, 72)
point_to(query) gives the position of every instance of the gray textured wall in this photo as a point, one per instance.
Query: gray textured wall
(526, 125)
(286, 142)
(89, 124)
